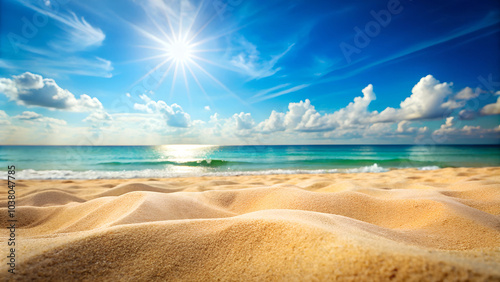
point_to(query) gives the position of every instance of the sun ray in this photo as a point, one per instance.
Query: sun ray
(185, 81)
(179, 37)
(179, 43)
(165, 73)
(146, 59)
(213, 63)
(201, 29)
(167, 18)
(218, 82)
(217, 36)
(152, 47)
(174, 79)
(147, 34)
(195, 17)
(197, 81)
(150, 72)
(161, 30)
(210, 50)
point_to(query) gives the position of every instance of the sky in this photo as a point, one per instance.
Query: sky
(233, 72)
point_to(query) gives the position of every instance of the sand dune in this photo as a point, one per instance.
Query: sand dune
(403, 225)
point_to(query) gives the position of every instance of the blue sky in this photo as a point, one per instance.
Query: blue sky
(249, 72)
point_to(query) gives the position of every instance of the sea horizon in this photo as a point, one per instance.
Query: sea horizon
(166, 161)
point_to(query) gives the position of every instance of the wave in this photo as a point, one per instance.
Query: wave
(195, 163)
(397, 162)
(162, 173)
(393, 163)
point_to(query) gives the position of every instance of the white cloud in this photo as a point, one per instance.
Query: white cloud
(301, 117)
(50, 63)
(174, 10)
(250, 63)
(79, 34)
(100, 117)
(35, 117)
(491, 109)
(173, 114)
(275, 122)
(244, 121)
(207, 108)
(447, 130)
(468, 93)
(425, 102)
(357, 111)
(261, 97)
(4, 118)
(467, 115)
(270, 90)
(33, 90)
(405, 127)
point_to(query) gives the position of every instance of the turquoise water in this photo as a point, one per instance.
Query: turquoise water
(65, 162)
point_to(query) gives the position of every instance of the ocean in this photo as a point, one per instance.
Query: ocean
(89, 162)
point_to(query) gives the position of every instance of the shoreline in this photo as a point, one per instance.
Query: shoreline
(366, 169)
(403, 224)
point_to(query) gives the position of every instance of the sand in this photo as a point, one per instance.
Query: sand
(400, 225)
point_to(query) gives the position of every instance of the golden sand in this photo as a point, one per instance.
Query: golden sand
(402, 225)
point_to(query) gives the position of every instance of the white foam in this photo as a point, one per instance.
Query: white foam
(372, 168)
(433, 167)
(163, 173)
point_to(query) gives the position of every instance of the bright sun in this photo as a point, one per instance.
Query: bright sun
(179, 51)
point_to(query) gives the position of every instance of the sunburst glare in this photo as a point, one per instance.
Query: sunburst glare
(179, 51)
(182, 49)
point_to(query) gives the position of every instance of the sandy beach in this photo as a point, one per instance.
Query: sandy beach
(403, 225)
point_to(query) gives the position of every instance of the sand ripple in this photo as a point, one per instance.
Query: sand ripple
(404, 224)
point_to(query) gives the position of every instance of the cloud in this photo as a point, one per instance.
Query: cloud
(427, 101)
(100, 117)
(79, 34)
(301, 117)
(357, 111)
(47, 62)
(4, 118)
(467, 115)
(404, 128)
(468, 93)
(275, 122)
(173, 114)
(270, 90)
(33, 90)
(491, 109)
(35, 117)
(174, 10)
(207, 108)
(243, 121)
(447, 130)
(250, 63)
(262, 97)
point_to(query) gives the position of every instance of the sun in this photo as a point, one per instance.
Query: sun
(179, 51)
